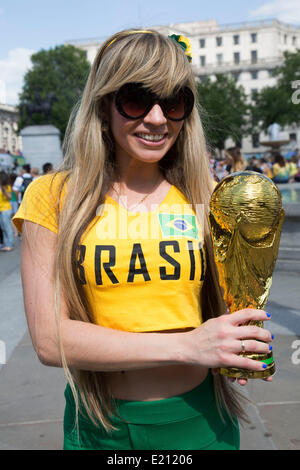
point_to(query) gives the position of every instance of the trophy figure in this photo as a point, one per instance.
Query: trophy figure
(245, 219)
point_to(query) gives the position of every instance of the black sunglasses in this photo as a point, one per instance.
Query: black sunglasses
(134, 101)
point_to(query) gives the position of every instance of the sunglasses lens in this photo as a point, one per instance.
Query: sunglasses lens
(174, 106)
(180, 105)
(132, 101)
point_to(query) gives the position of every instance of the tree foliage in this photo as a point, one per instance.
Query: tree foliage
(275, 104)
(224, 110)
(63, 71)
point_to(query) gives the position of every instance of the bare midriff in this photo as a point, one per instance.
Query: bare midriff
(156, 383)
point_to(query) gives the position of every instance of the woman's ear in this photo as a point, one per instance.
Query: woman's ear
(104, 113)
(104, 116)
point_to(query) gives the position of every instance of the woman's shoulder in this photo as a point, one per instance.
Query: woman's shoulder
(51, 182)
(42, 199)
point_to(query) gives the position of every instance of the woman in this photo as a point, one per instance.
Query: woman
(235, 159)
(124, 267)
(294, 168)
(14, 202)
(281, 169)
(6, 213)
(266, 167)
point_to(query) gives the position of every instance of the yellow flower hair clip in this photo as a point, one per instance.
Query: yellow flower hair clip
(185, 43)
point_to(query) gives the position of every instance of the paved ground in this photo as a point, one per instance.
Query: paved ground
(31, 395)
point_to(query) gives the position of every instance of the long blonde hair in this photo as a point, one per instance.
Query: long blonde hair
(89, 165)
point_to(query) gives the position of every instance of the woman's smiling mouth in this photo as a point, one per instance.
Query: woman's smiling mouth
(151, 138)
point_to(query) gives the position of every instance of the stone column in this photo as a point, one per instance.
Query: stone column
(41, 144)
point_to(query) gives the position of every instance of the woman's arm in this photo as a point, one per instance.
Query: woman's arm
(216, 343)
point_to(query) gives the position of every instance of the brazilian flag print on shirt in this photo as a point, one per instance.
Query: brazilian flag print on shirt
(178, 225)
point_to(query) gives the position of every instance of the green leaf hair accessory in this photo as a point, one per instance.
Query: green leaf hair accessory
(185, 43)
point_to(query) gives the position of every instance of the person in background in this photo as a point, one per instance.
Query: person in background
(13, 201)
(212, 164)
(296, 177)
(47, 168)
(34, 173)
(22, 181)
(236, 161)
(281, 169)
(6, 213)
(253, 165)
(294, 169)
(266, 167)
(220, 170)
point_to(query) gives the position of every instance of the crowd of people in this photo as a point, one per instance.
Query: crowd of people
(276, 167)
(12, 189)
(13, 185)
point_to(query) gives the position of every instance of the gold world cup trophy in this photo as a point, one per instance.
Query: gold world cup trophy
(245, 218)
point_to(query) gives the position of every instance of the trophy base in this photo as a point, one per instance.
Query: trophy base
(251, 374)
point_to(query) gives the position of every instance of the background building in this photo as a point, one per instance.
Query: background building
(249, 51)
(9, 139)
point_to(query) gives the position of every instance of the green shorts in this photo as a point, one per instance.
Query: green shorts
(189, 421)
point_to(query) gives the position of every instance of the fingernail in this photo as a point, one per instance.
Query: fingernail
(270, 347)
(264, 366)
(268, 315)
(272, 336)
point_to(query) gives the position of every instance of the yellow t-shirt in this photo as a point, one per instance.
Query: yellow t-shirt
(141, 271)
(293, 169)
(281, 172)
(4, 202)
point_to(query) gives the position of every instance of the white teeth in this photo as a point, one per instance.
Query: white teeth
(151, 137)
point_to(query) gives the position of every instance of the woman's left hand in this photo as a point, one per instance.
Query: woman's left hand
(240, 381)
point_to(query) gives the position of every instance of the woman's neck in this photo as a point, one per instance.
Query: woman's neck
(138, 176)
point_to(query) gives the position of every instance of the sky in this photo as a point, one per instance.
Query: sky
(27, 26)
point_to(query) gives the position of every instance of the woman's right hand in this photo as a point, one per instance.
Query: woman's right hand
(218, 341)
